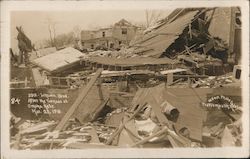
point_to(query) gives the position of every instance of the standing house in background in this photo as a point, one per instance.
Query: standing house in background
(121, 33)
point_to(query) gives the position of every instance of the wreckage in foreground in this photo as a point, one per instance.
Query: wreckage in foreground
(177, 85)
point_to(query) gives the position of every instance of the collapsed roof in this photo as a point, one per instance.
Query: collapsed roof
(156, 40)
(123, 22)
(59, 60)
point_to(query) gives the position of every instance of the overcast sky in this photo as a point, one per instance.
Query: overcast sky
(35, 23)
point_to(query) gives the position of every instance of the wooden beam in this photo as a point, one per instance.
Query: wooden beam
(19, 82)
(232, 33)
(83, 93)
(191, 76)
(178, 14)
(186, 76)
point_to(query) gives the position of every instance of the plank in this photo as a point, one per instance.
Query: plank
(83, 93)
(37, 77)
(170, 79)
(90, 104)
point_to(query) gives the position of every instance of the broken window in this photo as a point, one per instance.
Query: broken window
(92, 46)
(111, 45)
(120, 42)
(58, 81)
(238, 18)
(124, 31)
(238, 73)
(103, 34)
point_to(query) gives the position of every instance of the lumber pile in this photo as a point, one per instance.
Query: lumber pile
(40, 135)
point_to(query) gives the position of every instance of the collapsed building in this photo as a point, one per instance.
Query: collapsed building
(121, 33)
(177, 85)
(196, 37)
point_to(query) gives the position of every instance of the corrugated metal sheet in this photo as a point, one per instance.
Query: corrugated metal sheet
(132, 61)
(59, 59)
(160, 39)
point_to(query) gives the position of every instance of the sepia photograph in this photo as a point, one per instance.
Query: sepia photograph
(141, 78)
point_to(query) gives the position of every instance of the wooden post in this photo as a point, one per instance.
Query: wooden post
(231, 57)
(190, 31)
(25, 82)
(170, 79)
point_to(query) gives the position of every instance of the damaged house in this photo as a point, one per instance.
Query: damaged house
(121, 33)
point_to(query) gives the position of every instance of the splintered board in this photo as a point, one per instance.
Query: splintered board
(79, 100)
(94, 99)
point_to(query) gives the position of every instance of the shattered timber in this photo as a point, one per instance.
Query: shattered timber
(174, 84)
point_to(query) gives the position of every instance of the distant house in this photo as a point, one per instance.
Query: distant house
(121, 33)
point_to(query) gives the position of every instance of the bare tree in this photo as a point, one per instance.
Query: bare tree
(77, 32)
(77, 37)
(65, 39)
(52, 31)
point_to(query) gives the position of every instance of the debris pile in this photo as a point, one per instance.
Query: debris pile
(39, 135)
(147, 122)
(214, 81)
(178, 85)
